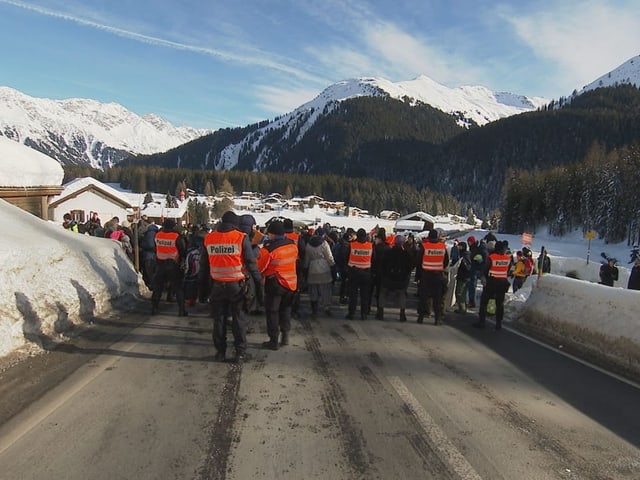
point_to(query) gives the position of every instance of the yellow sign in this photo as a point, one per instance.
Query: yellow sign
(590, 235)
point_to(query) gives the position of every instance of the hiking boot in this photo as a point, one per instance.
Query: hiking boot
(284, 338)
(270, 345)
(380, 313)
(403, 316)
(219, 357)
(240, 357)
(420, 318)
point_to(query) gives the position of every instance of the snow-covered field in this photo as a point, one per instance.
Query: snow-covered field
(52, 278)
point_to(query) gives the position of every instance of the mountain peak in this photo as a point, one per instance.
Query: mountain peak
(100, 134)
(627, 73)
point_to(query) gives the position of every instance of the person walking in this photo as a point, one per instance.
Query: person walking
(277, 262)
(395, 270)
(318, 263)
(171, 248)
(634, 276)
(609, 272)
(496, 286)
(359, 260)
(462, 277)
(434, 259)
(231, 260)
(478, 255)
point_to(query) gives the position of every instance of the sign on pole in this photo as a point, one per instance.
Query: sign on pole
(589, 235)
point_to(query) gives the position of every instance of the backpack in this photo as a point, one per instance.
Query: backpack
(192, 263)
(529, 266)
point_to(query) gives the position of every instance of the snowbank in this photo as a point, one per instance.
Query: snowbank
(53, 279)
(600, 322)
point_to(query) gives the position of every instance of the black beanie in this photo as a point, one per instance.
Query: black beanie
(276, 227)
(231, 217)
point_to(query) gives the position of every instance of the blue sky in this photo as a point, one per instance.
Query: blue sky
(215, 64)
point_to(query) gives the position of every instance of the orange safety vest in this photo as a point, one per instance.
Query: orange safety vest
(293, 236)
(225, 255)
(360, 254)
(499, 267)
(281, 262)
(433, 256)
(166, 248)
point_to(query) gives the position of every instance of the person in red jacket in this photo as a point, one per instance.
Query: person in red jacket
(277, 263)
(496, 273)
(171, 248)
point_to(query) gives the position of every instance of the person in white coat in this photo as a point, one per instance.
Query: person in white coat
(318, 263)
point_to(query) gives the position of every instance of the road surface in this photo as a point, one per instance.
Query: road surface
(140, 397)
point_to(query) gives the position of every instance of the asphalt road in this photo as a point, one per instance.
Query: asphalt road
(142, 398)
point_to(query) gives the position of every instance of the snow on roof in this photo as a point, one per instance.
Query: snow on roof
(21, 166)
(158, 210)
(78, 184)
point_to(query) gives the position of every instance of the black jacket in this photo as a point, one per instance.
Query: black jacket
(634, 278)
(396, 267)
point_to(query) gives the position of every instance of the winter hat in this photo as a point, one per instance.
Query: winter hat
(169, 224)
(361, 234)
(231, 217)
(471, 240)
(499, 247)
(288, 225)
(276, 227)
(518, 253)
(433, 234)
(319, 232)
(246, 223)
(399, 240)
(462, 246)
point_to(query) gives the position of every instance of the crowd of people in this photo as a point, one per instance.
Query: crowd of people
(240, 269)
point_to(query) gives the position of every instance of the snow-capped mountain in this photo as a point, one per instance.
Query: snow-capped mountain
(627, 73)
(468, 105)
(84, 131)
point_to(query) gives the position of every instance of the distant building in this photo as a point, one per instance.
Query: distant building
(389, 215)
(415, 222)
(83, 196)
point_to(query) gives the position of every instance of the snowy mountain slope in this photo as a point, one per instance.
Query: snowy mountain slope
(627, 73)
(469, 105)
(78, 131)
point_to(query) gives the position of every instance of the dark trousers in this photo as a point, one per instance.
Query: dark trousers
(277, 304)
(495, 288)
(431, 286)
(168, 271)
(227, 298)
(359, 282)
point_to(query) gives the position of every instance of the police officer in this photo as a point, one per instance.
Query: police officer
(230, 260)
(434, 259)
(496, 273)
(171, 248)
(277, 262)
(359, 260)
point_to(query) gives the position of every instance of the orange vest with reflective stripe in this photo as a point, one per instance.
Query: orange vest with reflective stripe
(281, 262)
(293, 236)
(360, 254)
(499, 267)
(433, 256)
(225, 255)
(166, 248)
